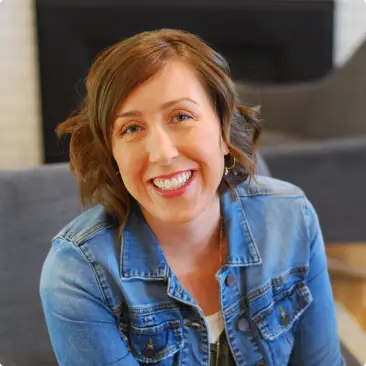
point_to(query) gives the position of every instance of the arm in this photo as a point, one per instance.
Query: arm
(316, 337)
(82, 328)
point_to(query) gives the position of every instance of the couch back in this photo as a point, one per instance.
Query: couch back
(34, 205)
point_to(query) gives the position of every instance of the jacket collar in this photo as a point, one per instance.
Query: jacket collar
(142, 257)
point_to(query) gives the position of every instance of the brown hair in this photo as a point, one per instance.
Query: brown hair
(112, 77)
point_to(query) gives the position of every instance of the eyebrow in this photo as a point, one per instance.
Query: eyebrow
(163, 106)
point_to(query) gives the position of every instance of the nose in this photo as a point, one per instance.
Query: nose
(161, 147)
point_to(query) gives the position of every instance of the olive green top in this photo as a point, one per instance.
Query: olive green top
(225, 356)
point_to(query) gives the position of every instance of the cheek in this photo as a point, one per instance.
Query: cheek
(129, 164)
(210, 156)
(208, 144)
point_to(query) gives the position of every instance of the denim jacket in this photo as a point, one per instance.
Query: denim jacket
(115, 301)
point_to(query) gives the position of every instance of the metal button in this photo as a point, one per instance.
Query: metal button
(149, 349)
(284, 317)
(230, 280)
(193, 324)
(259, 364)
(243, 325)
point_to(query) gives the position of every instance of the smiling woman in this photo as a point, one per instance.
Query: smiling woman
(138, 92)
(187, 256)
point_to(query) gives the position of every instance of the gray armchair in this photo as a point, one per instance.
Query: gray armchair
(330, 108)
(315, 137)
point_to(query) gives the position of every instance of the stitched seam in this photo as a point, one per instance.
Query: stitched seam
(247, 225)
(279, 330)
(317, 275)
(120, 359)
(307, 219)
(260, 291)
(162, 354)
(79, 239)
(274, 282)
(141, 311)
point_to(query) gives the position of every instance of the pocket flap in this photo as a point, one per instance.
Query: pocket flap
(283, 311)
(155, 343)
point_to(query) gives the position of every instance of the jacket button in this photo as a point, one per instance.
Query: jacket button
(284, 318)
(259, 364)
(230, 280)
(243, 325)
(149, 349)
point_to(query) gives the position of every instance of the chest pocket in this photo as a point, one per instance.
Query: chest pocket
(277, 322)
(157, 345)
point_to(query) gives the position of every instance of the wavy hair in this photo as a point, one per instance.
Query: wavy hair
(112, 77)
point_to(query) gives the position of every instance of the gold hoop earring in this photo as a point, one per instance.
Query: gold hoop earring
(227, 169)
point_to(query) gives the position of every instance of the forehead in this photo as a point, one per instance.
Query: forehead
(176, 80)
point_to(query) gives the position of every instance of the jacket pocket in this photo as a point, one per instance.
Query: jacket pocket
(283, 311)
(156, 344)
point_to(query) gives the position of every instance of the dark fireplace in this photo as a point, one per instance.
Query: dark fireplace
(264, 41)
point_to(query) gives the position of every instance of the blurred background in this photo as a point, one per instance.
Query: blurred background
(304, 62)
(291, 46)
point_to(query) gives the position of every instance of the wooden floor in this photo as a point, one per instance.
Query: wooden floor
(347, 269)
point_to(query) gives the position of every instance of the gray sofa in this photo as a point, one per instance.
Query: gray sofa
(333, 174)
(36, 203)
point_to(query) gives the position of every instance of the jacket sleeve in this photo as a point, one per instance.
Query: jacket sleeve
(82, 327)
(316, 339)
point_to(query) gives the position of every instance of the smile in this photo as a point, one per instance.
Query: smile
(173, 183)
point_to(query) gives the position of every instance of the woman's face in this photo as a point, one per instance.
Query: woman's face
(168, 146)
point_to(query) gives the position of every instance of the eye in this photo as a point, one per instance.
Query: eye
(181, 116)
(129, 130)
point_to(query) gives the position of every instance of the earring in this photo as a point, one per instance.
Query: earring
(118, 172)
(227, 169)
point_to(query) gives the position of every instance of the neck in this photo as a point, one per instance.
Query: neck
(195, 237)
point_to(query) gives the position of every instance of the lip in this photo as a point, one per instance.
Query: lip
(175, 192)
(171, 175)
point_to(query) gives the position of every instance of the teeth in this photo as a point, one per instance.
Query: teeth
(173, 183)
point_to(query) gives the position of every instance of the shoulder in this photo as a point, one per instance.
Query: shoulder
(267, 186)
(275, 200)
(87, 225)
(85, 254)
(279, 217)
(272, 200)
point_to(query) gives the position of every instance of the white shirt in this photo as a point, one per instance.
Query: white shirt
(215, 324)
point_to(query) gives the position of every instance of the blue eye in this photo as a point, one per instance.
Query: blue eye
(130, 130)
(180, 117)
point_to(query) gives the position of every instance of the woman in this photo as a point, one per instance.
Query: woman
(186, 257)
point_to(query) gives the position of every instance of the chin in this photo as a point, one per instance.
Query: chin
(179, 216)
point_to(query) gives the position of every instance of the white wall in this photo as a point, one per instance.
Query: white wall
(20, 140)
(20, 121)
(350, 28)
